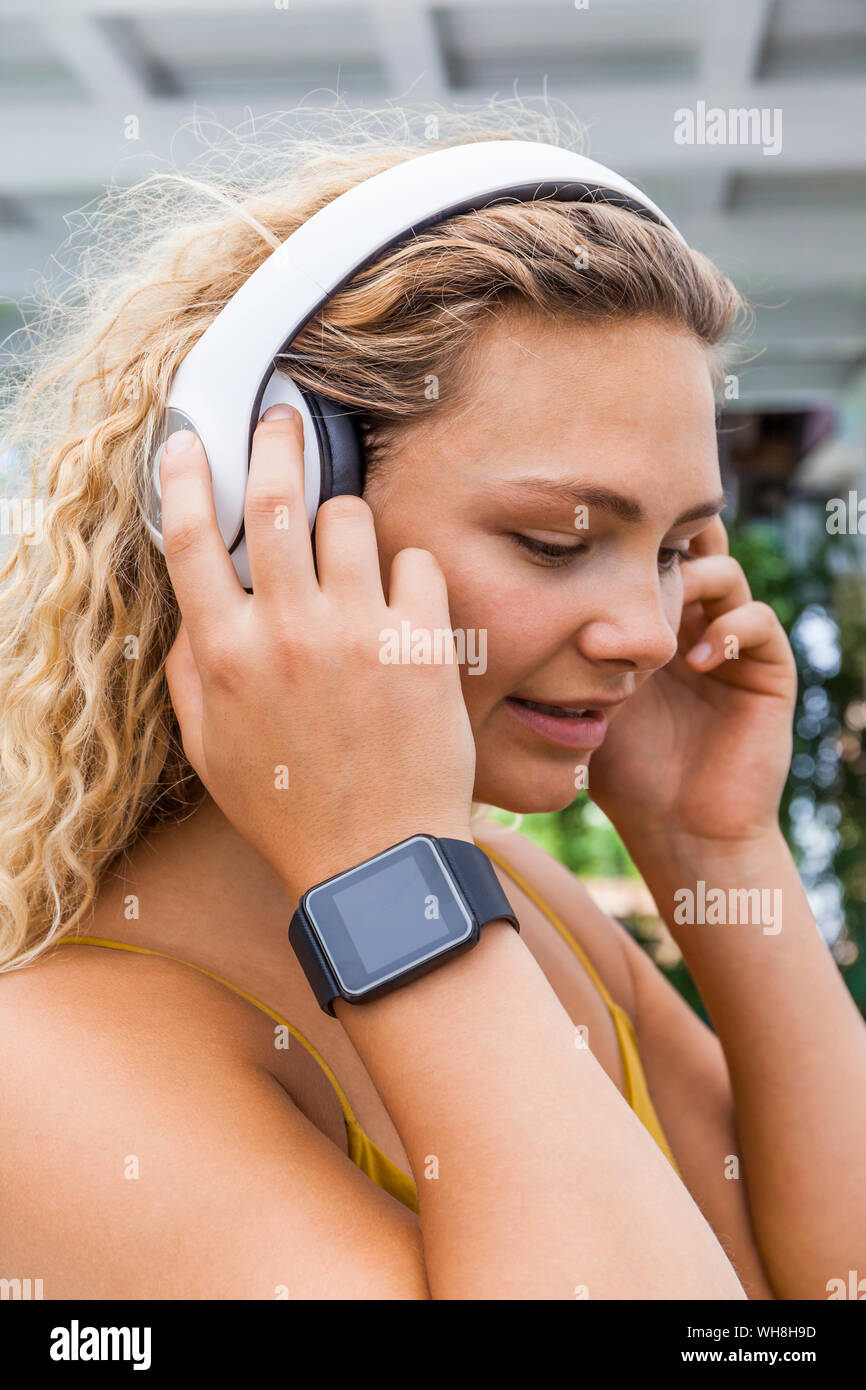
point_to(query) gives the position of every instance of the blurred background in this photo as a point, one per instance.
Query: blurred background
(94, 91)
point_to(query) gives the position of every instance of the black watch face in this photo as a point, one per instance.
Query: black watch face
(392, 912)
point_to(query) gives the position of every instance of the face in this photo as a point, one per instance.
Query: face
(558, 500)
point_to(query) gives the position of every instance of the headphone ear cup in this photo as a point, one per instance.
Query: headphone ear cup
(340, 446)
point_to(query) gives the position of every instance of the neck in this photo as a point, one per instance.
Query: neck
(197, 881)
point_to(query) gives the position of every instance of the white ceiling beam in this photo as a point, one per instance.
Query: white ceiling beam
(791, 385)
(137, 9)
(772, 254)
(832, 320)
(86, 49)
(704, 191)
(819, 134)
(23, 9)
(411, 53)
(733, 40)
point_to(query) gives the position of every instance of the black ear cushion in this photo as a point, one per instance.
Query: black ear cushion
(340, 446)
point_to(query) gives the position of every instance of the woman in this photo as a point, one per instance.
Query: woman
(543, 1117)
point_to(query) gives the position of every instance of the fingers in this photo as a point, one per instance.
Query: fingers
(202, 574)
(347, 554)
(713, 540)
(184, 686)
(275, 511)
(417, 586)
(752, 629)
(717, 582)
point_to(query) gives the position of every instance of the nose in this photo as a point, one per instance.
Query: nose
(631, 626)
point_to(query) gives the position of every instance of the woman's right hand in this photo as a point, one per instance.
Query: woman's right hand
(317, 752)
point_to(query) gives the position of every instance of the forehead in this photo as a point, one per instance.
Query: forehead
(575, 372)
(630, 403)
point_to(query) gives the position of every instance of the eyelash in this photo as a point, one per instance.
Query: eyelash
(554, 556)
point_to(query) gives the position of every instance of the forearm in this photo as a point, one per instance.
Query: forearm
(535, 1178)
(795, 1045)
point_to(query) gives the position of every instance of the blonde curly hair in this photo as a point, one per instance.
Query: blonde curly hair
(91, 750)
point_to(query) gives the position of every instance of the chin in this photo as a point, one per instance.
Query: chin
(528, 786)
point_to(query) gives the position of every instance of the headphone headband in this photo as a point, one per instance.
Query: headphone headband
(219, 388)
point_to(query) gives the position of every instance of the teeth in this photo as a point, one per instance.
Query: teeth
(556, 710)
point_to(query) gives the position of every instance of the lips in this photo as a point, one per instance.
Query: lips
(567, 726)
(558, 711)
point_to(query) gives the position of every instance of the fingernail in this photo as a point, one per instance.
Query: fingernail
(700, 653)
(181, 439)
(279, 412)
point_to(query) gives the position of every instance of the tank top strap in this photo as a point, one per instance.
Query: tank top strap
(348, 1112)
(636, 1089)
(362, 1151)
(551, 916)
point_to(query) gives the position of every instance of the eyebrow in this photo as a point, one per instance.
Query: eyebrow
(604, 499)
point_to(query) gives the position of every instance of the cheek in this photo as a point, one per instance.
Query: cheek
(672, 603)
(512, 622)
(519, 632)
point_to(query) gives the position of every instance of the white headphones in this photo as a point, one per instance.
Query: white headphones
(228, 379)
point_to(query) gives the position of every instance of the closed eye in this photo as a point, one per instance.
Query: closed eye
(673, 558)
(554, 556)
(546, 551)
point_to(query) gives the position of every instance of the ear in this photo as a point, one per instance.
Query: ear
(184, 685)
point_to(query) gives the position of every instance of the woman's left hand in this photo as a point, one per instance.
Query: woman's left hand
(703, 748)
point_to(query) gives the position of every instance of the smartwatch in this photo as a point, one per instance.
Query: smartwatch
(395, 916)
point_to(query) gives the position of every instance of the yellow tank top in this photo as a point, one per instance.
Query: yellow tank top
(362, 1151)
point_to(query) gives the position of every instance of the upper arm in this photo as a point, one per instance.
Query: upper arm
(143, 1156)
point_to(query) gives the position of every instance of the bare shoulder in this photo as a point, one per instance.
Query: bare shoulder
(546, 878)
(72, 986)
(144, 1154)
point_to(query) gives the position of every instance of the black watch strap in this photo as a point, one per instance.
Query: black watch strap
(474, 875)
(313, 962)
(477, 880)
